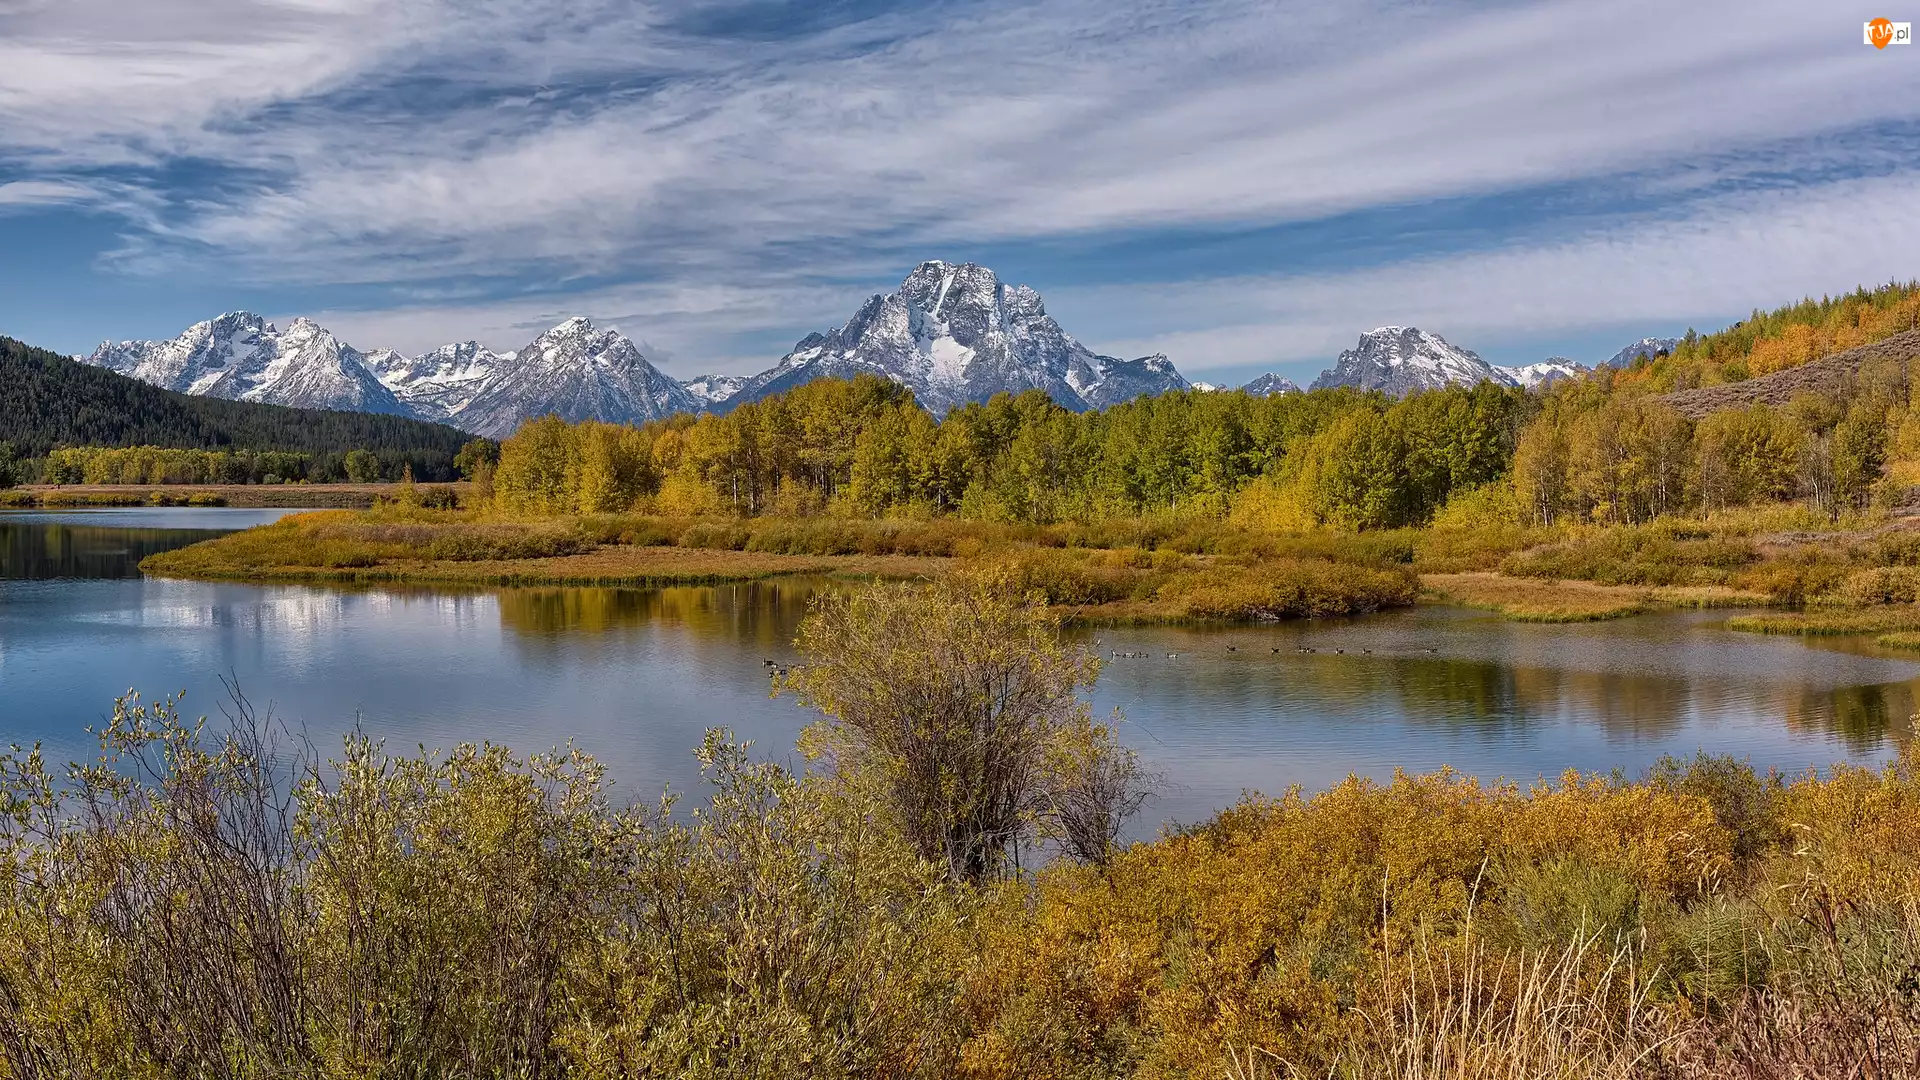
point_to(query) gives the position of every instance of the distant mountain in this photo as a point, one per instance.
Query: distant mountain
(950, 333)
(49, 400)
(1117, 381)
(1647, 347)
(1399, 360)
(1270, 384)
(576, 372)
(954, 334)
(438, 385)
(242, 357)
(1549, 371)
(714, 389)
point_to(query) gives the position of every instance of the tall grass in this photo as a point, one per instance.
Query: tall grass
(220, 902)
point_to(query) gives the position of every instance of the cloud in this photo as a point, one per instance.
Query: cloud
(687, 329)
(1725, 259)
(23, 193)
(523, 157)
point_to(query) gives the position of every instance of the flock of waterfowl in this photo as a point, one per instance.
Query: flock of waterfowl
(1304, 650)
(777, 670)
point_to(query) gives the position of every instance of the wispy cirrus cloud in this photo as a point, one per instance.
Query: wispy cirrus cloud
(1720, 261)
(775, 161)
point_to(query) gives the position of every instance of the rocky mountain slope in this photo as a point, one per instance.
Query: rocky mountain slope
(954, 334)
(1270, 384)
(1647, 347)
(242, 357)
(438, 385)
(576, 372)
(1833, 374)
(1400, 360)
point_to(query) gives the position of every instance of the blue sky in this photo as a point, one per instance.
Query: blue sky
(1245, 186)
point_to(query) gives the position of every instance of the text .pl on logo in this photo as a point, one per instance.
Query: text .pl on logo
(1881, 33)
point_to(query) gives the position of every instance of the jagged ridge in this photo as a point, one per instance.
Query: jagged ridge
(954, 334)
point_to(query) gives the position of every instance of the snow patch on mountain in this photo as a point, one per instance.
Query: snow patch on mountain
(1270, 384)
(714, 389)
(243, 357)
(955, 334)
(575, 371)
(1645, 347)
(440, 384)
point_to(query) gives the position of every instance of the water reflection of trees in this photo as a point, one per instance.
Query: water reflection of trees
(53, 550)
(1863, 718)
(1494, 695)
(761, 613)
(1491, 696)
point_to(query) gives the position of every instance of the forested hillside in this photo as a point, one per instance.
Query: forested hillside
(1770, 341)
(48, 400)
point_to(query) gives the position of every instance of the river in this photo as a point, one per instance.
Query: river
(636, 676)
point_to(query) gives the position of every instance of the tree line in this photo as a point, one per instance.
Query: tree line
(49, 401)
(1601, 450)
(1770, 341)
(171, 465)
(863, 447)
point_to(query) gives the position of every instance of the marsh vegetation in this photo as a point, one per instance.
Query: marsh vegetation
(936, 890)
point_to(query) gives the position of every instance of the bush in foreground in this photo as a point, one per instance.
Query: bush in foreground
(220, 903)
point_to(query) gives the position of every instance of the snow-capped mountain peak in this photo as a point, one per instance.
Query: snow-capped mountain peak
(1645, 347)
(242, 356)
(954, 333)
(440, 384)
(1545, 373)
(577, 372)
(1399, 360)
(714, 389)
(1270, 384)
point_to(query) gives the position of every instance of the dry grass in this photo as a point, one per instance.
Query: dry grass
(1709, 596)
(1467, 1011)
(1885, 620)
(1535, 600)
(297, 496)
(327, 548)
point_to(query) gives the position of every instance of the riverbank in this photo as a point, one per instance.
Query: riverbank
(1536, 600)
(250, 496)
(1856, 575)
(337, 548)
(408, 545)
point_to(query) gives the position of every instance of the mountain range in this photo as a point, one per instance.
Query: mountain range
(952, 333)
(1399, 360)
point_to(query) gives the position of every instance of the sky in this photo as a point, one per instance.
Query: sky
(1245, 185)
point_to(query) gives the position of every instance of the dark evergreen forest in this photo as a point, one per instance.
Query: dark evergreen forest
(48, 400)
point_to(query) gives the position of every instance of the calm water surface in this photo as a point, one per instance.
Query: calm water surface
(635, 677)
